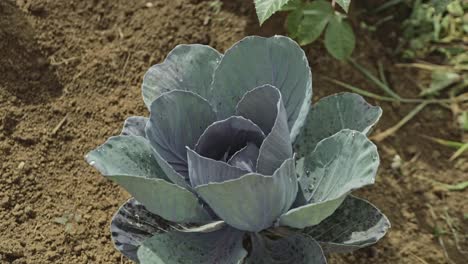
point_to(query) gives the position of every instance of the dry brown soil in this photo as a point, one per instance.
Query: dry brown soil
(70, 73)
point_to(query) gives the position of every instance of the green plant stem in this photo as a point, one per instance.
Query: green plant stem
(361, 91)
(383, 20)
(374, 79)
(425, 66)
(382, 73)
(449, 187)
(431, 101)
(459, 87)
(460, 146)
(452, 187)
(387, 5)
(383, 135)
(459, 152)
(458, 187)
(444, 142)
(389, 99)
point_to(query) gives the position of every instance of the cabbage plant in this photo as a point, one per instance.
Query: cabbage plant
(234, 164)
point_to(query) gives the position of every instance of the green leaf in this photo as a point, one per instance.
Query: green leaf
(223, 246)
(245, 158)
(316, 17)
(135, 126)
(264, 106)
(266, 8)
(255, 61)
(459, 186)
(165, 199)
(440, 81)
(440, 5)
(355, 224)
(254, 201)
(228, 136)
(297, 249)
(344, 4)
(204, 170)
(187, 67)
(293, 22)
(455, 8)
(126, 155)
(340, 164)
(133, 224)
(463, 120)
(310, 214)
(206, 228)
(339, 38)
(178, 119)
(292, 5)
(171, 173)
(130, 161)
(332, 114)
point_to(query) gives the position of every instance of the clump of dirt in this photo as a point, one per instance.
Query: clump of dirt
(71, 73)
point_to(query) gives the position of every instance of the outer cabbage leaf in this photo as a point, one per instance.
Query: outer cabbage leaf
(168, 200)
(125, 155)
(129, 161)
(340, 164)
(255, 61)
(206, 228)
(134, 126)
(332, 114)
(133, 224)
(310, 214)
(254, 201)
(187, 67)
(355, 224)
(297, 249)
(223, 246)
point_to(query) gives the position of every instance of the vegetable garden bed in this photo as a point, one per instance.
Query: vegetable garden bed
(70, 72)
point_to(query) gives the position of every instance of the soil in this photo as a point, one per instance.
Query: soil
(70, 73)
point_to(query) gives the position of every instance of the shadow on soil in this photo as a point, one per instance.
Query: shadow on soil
(24, 70)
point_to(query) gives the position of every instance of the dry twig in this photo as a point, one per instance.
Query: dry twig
(59, 125)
